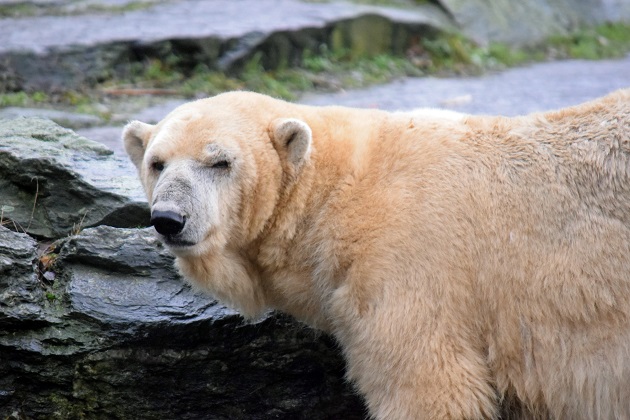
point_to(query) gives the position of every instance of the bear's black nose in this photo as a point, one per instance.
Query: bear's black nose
(167, 222)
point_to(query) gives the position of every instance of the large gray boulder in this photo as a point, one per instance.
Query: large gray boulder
(64, 118)
(54, 182)
(100, 326)
(529, 22)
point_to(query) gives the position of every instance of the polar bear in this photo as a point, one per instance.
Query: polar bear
(463, 263)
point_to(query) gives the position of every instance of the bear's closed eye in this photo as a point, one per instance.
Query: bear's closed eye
(222, 164)
(157, 166)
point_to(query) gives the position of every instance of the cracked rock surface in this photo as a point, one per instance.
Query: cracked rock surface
(54, 182)
(100, 325)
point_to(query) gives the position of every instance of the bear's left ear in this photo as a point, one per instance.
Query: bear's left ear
(292, 139)
(135, 136)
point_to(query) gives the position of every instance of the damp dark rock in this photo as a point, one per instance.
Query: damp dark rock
(118, 334)
(54, 182)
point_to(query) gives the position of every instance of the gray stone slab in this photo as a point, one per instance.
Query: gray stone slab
(190, 19)
(54, 182)
(82, 50)
(63, 118)
(152, 293)
(110, 136)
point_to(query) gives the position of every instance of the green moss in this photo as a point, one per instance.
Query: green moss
(18, 9)
(317, 62)
(129, 7)
(606, 41)
(82, 102)
(208, 83)
(65, 406)
(154, 73)
(23, 99)
(62, 408)
(453, 53)
(28, 9)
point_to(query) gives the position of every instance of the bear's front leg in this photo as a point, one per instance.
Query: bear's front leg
(414, 365)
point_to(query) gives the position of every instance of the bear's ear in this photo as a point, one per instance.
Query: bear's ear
(135, 136)
(291, 138)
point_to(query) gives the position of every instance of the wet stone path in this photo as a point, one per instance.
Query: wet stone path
(539, 87)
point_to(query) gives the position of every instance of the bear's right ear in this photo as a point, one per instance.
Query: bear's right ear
(135, 136)
(292, 139)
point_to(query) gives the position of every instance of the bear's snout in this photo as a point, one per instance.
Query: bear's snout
(167, 222)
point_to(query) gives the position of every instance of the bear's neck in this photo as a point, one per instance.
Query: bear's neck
(300, 263)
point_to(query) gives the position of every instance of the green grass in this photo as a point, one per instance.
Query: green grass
(454, 53)
(324, 71)
(23, 99)
(26, 9)
(18, 10)
(606, 41)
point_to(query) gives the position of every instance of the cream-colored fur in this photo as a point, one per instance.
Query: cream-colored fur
(463, 263)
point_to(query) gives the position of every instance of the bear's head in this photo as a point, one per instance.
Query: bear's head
(213, 171)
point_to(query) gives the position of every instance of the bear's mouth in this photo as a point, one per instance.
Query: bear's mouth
(172, 241)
